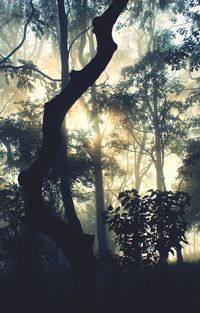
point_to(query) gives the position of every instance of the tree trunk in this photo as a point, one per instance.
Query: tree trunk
(62, 159)
(158, 144)
(194, 241)
(83, 23)
(163, 258)
(158, 149)
(159, 180)
(179, 255)
(99, 192)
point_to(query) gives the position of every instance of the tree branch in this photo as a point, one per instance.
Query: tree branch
(73, 41)
(24, 36)
(5, 104)
(27, 67)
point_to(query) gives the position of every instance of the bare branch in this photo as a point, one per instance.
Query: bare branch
(104, 82)
(193, 78)
(73, 41)
(5, 104)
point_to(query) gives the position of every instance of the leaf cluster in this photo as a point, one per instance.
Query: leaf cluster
(148, 227)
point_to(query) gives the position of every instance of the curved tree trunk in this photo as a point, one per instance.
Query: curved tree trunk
(76, 247)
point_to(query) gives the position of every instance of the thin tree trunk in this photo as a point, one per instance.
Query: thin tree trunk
(179, 255)
(159, 167)
(83, 23)
(62, 159)
(194, 241)
(99, 192)
(62, 18)
(163, 258)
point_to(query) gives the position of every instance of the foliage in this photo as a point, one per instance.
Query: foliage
(11, 211)
(186, 54)
(148, 96)
(168, 223)
(189, 175)
(148, 228)
(10, 226)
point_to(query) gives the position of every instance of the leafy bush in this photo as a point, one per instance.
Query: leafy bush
(148, 228)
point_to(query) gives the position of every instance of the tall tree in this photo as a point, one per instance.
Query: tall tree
(96, 153)
(148, 94)
(78, 248)
(63, 164)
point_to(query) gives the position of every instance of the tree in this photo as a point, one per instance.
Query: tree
(94, 112)
(155, 119)
(31, 180)
(42, 21)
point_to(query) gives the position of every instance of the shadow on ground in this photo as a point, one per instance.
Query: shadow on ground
(170, 290)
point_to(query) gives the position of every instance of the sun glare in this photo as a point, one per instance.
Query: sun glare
(78, 118)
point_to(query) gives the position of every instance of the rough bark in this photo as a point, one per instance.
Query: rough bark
(76, 247)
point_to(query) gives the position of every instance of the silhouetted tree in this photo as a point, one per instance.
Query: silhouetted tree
(77, 247)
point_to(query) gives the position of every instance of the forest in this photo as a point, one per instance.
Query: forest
(99, 156)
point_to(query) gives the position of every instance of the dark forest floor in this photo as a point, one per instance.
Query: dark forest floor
(175, 289)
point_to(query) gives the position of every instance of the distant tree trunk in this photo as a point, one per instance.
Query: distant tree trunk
(99, 188)
(137, 169)
(96, 153)
(62, 160)
(159, 157)
(83, 24)
(179, 254)
(99, 191)
(139, 172)
(194, 241)
(163, 258)
(158, 147)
